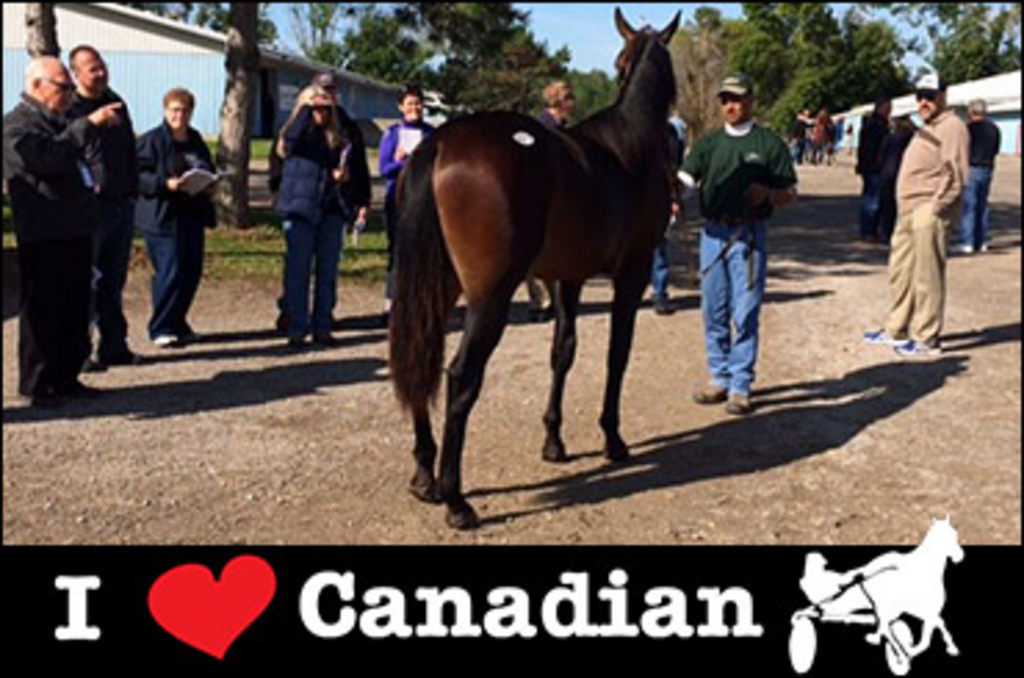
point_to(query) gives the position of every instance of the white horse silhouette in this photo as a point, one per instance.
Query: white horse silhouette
(912, 584)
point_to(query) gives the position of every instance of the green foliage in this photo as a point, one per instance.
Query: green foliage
(212, 15)
(594, 91)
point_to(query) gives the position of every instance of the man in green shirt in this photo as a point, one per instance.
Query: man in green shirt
(743, 172)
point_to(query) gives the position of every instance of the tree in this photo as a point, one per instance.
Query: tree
(317, 28)
(594, 91)
(700, 58)
(41, 29)
(965, 41)
(379, 46)
(212, 15)
(242, 65)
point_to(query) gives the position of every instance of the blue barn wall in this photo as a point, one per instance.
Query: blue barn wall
(142, 80)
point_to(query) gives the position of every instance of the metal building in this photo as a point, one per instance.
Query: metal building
(147, 55)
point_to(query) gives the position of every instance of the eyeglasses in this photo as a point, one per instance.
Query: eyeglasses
(64, 86)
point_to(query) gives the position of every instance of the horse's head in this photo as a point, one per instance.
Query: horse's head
(637, 42)
(944, 538)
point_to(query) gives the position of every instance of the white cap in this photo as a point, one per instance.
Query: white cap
(931, 81)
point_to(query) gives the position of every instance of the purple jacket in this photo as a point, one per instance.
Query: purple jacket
(389, 167)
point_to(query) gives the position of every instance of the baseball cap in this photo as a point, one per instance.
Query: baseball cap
(326, 80)
(738, 84)
(930, 82)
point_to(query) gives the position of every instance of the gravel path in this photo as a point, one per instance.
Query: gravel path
(237, 441)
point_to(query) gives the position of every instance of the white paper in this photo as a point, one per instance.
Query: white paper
(195, 181)
(409, 139)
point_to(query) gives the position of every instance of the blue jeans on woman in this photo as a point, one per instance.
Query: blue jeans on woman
(731, 304)
(306, 241)
(178, 269)
(974, 222)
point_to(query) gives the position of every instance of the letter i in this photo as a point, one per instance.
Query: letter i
(78, 612)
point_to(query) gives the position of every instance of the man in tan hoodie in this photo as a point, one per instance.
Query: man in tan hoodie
(928, 194)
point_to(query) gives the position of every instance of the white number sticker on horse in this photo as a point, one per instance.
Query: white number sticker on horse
(524, 139)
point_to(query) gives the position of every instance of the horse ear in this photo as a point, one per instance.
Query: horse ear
(625, 30)
(669, 31)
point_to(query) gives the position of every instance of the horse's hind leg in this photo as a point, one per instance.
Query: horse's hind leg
(485, 324)
(423, 485)
(629, 290)
(563, 354)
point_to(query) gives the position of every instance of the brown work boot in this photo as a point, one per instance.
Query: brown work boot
(712, 394)
(739, 405)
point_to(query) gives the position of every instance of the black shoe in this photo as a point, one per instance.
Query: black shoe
(125, 359)
(94, 366)
(325, 340)
(296, 343)
(663, 307)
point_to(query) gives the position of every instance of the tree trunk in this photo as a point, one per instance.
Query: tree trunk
(242, 65)
(41, 33)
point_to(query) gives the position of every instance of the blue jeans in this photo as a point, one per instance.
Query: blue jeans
(660, 271)
(111, 251)
(870, 205)
(178, 268)
(731, 304)
(305, 241)
(974, 222)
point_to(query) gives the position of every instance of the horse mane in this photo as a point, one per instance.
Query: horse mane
(634, 126)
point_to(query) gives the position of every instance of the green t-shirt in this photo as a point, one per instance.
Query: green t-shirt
(726, 166)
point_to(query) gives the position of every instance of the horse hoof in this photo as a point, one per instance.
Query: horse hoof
(462, 518)
(617, 452)
(554, 452)
(424, 489)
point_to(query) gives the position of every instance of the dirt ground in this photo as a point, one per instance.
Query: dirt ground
(236, 441)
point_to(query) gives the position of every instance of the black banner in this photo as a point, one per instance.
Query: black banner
(727, 609)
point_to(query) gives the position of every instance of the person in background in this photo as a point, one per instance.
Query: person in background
(114, 166)
(890, 158)
(356, 191)
(986, 140)
(172, 219)
(53, 206)
(559, 105)
(661, 267)
(744, 172)
(928, 196)
(398, 144)
(801, 126)
(872, 134)
(319, 158)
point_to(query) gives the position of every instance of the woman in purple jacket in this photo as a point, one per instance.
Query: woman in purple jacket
(398, 144)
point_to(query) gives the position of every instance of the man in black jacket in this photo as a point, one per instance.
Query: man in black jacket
(872, 134)
(53, 205)
(112, 161)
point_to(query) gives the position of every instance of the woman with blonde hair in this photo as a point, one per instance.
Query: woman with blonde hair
(322, 163)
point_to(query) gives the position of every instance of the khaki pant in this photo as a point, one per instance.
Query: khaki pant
(917, 275)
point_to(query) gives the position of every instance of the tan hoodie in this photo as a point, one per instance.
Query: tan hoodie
(935, 166)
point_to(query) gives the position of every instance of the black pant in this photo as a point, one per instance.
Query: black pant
(53, 330)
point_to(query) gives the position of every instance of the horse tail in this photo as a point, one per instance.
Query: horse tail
(426, 286)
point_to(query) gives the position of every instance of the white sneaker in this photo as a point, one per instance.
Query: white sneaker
(165, 341)
(963, 249)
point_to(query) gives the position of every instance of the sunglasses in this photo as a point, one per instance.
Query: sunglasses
(927, 96)
(63, 85)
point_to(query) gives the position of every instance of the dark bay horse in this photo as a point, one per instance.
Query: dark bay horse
(492, 197)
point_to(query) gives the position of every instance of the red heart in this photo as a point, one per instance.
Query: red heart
(210, 615)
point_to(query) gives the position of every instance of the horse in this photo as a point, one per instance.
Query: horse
(491, 197)
(912, 584)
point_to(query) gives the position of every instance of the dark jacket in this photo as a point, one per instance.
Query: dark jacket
(874, 132)
(890, 156)
(160, 211)
(304, 183)
(43, 166)
(111, 155)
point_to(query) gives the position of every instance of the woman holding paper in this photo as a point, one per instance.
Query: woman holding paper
(399, 142)
(172, 212)
(323, 165)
